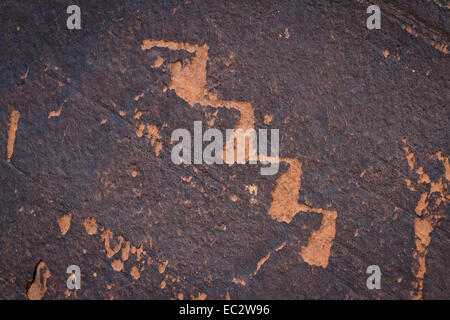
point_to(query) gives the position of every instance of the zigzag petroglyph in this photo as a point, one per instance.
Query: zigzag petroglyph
(189, 83)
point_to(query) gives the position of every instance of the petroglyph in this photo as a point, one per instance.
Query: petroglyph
(285, 205)
(13, 124)
(90, 225)
(126, 251)
(152, 133)
(239, 281)
(318, 249)
(155, 138)
(189, 83)
(107, 236)
(64, 223)
(162, 266)
(37, 287)
(158, 62)
(135, 273)
(117, 265)
(429, 212)
(115, 244)
(56, 113)
(200, 296)
(136, 98)
(261, 262)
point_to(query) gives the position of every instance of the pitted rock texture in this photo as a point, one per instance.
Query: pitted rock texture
(85, 160)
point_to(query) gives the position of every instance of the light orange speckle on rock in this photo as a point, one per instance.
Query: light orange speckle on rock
(90, 225)
(136, 98)
(56, 113)
(162, 266)
(158, 62)
(286, 33)
(117, 265)
(200, 296)
(137, 114)
(155, 138)
(140, 130)
(239, 281)
(64, 223)
(135, 273)
(268, 119)
(126, 251)
(13, 125)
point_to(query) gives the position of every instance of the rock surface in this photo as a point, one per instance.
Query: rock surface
(87, 178)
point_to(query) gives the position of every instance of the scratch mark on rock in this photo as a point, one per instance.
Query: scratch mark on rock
(260, 263)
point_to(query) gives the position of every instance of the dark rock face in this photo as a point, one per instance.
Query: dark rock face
(87, 178)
